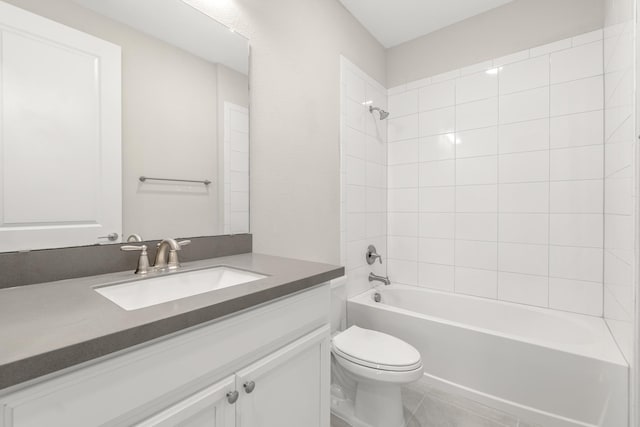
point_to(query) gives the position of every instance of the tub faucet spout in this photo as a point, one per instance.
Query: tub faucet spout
(377, 278)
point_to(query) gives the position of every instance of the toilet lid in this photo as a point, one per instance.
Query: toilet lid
(376, 350)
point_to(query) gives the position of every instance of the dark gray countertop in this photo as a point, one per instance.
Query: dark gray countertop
(51, 326)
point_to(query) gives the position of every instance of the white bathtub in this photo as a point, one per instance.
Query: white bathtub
(551, 368)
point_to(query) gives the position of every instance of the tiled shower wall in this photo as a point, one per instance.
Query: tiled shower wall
(363, 145)
(495, 178)
(620, 167)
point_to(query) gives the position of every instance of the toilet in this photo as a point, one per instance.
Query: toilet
(378, 365)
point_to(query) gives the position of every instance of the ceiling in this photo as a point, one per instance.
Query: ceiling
(393, 22)
(179, 24)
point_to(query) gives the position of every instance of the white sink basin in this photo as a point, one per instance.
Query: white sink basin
(156, 290)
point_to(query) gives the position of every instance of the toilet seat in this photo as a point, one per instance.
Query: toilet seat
(376, 350)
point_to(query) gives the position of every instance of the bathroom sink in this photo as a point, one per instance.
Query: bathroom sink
(163, 288)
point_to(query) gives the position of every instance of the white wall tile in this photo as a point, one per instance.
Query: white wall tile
(620, 233)
(417, 84)
(471, 281)
(403, 224)
(356, 254)
(353, 143)
(404, 104)
(524, 289)
(587, 37)
(356, 226)
(524, 136)
(356, 198)
(476, 86)
(577, 63)
(619, 196)
(577, 163)
(567, 262)
(524, 167)
(576, 196)
(583, 230)
(477, 114)
(477, 226)
(403, 128)
(438, 95)
(524, 75)
(375, 175)
(436, 174)
(403, 152)
(477, 142)
(375, 199)
(510, 187)
(404, 248)
(523, 258)
(577, 130)
(437, 251)
(477, 198)
(483, 255)
(436, 276)
(522, 106)
(355, 115)
(403, 176)
(437, 122)
(376, 224)
(445, 76)
(524, 198)
(376, 151)
(550, 47)
(356, 171)
(400, 200)
(404, 272)
(508, 59)
(476, 170)
(437, 199)
(476, 68)
(437, 225)
(523, 228)
(577, 96)
(575, 296)
(439, 147)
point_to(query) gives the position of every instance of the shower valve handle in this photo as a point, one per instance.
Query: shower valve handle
(372, 255)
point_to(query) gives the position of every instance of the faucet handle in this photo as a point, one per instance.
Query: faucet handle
(128, 248)
(182, 243)
(143, 260)
(372, 255)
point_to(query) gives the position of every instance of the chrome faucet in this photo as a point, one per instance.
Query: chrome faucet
(377, 278)
(166, 256)
(372, 255)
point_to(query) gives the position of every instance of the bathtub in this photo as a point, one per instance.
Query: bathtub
(551, 368)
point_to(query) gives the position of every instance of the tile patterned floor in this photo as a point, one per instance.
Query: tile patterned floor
(427, 407)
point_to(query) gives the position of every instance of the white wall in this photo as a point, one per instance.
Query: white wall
(518, 25)
(363, 149)
(496, 178)
(295, 116)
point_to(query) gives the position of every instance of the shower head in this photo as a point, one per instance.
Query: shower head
(383, 114)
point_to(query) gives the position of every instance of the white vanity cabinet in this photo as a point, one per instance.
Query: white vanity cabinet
(265, 367)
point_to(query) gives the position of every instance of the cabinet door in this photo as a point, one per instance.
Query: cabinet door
(289, 388)
(210, 407)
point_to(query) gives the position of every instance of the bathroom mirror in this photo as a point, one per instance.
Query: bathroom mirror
(120, 117)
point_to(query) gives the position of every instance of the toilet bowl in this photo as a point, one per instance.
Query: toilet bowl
(379, 365)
